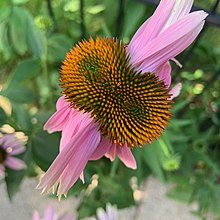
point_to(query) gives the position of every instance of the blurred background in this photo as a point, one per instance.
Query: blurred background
(34, 37)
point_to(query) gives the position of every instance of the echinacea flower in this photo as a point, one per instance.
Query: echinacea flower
(111, 213)
(9, 147)
(50, 214)
(118, 96)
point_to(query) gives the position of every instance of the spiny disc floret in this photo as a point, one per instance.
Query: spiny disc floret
(129, 106)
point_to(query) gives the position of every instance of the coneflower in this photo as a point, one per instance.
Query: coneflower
(117, 96)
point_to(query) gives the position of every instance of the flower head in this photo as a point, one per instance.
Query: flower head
(116, 97)
(111, 213)
(10, 146)
(51, 215)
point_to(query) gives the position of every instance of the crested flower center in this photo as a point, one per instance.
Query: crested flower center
(129, 106)
(3, 155)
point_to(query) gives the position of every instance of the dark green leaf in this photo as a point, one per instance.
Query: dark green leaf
(19, 94)
(22, 118)
(25, 70)
(45, 149)
(3, 116)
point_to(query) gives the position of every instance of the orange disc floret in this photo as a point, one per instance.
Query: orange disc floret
(129, 106)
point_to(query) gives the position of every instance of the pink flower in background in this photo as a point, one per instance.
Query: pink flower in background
(9, 147)
(51, 215)
(111, 213)
(117, 97)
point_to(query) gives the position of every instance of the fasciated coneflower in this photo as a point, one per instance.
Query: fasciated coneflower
(117, 96)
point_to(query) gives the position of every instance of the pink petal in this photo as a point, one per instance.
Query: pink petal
(77, 120)
(15, 163)
(177, 62)
(61, 102)
(125, 155)
(164, 73)
(49, 213)
(58, 119)
(7, 140)
(170, 43)
(70, 162)
(111, 152)
(36, 215)
(101, 149)
(17, 149)
(80, 157)
(180, 9)
(82, 177)
(175, 91)
(151, 28)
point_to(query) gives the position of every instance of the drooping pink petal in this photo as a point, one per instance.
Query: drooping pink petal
(101, 149)
(58, 120)
(77, 120)
(71, 161)
(35, 215)
(151, 28)
(175, 91)
(111, 153)
(170, 43)
(61, 102)
(15, 163)
(125, 155)
(164, 73)
(84, 148)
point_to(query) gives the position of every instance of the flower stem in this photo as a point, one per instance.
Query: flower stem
(114, 167)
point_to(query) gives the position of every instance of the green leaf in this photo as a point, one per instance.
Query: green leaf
(4, 13)
(3, 116)
(17, 29)
(20, 1)
(5, 45)
(25, 70)
(45, 149)
(181, 193)
(152, 156)
(58, 45)
(35, 39)
(22, 118)
(134, 13)
(19, 94)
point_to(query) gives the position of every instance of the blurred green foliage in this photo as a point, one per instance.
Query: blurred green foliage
(33, 43)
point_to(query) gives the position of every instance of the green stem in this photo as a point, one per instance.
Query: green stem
(114, 167)
(165, 148)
